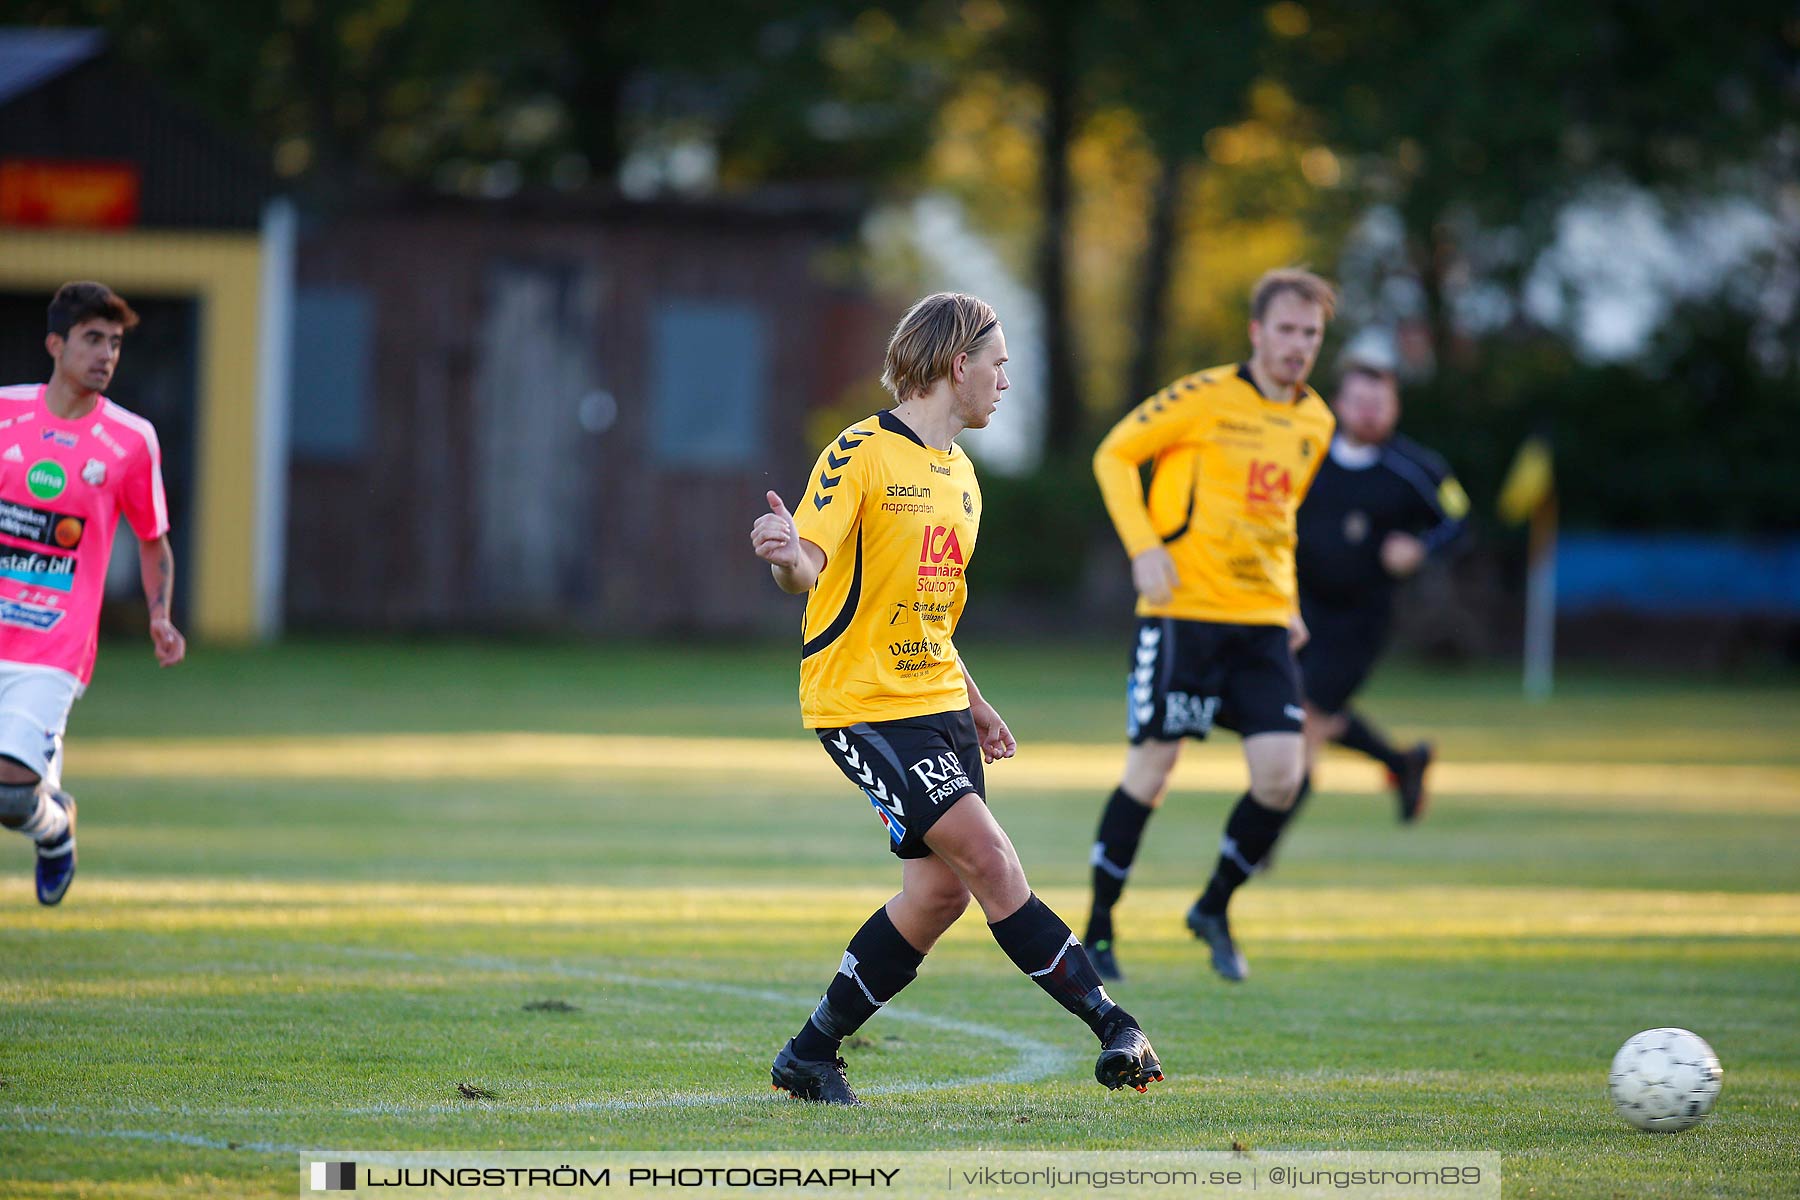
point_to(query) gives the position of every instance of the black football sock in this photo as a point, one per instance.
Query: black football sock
(1045, 949)
(1299, 798)
(1364, 738)
(877, 964)
(1250, 831)
(1115, 845)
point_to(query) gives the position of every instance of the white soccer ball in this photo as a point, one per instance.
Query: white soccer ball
(1665, 1080)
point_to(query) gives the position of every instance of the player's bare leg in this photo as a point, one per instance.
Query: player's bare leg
(1148, 766)
(974, 846)
(931, 900)
(1277, 762)
(1321, 727)
(971, 843)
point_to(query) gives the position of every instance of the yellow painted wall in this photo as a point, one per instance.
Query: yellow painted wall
(223, 272)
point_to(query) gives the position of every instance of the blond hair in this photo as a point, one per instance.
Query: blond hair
(929, 337)
(1301, 283)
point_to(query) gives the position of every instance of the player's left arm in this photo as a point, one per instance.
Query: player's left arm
(1452, 512)
(1441, 507)
(995, 738)
(146, 510)
(156, 567)
(1298, 633)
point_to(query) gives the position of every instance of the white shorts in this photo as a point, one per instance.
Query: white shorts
(34, 711)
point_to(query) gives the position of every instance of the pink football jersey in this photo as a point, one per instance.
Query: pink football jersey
(63, 485)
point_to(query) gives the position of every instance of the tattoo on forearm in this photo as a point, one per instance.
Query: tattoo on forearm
(165, 574)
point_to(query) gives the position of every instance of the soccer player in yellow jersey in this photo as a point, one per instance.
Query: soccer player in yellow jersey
(879, 543)
(1232, 453)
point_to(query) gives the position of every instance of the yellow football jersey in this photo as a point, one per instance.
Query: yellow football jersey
(1230, 470)
(897, 521)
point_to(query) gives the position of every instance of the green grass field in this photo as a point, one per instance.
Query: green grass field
(319, 890)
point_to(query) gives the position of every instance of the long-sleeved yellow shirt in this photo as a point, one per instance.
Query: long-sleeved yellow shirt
(1230, 468)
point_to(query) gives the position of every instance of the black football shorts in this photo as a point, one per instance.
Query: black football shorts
(1341, 652)
(912, 770)
(1187, 676)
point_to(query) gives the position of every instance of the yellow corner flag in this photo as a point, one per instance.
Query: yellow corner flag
(1529, 494)
(1529, 481)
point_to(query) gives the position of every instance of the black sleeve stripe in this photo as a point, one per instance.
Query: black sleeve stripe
(1415, 474)
(1448, 528)
(1193, 499)
(1447, 532)
(1427, 460)
(827, 480)
(841, 622)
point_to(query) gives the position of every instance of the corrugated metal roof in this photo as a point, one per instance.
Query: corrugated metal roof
(29, 57)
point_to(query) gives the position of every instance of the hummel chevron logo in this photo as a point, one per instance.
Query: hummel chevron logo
(865, 775)
(827, 481)
(878, 791)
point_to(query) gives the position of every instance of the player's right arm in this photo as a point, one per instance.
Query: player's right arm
(793, 561)
(146, 509)
(1145, 432)
(798, 547)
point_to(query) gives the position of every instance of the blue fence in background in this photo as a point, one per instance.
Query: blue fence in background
(1678, 575)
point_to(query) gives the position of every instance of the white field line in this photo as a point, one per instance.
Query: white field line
(1033, 1060)
(162, 1137)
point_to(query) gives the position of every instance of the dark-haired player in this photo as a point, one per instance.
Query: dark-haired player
(1232, 453)
(879, 543)
(1380, 506)
(71, 463)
